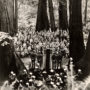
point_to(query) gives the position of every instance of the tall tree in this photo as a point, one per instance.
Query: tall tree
(42, 18)
(15, 17)
(63, 22)
(84, 63)
(86, 60)
(7, 16)
(85, 16)
(51, 13)
(9, 60)
(75, 31)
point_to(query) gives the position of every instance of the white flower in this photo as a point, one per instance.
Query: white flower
(31, 40)
(4, 43)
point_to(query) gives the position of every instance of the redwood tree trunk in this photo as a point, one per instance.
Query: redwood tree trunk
(15, 18)
(84, 63)
(63, 22)
(75, 31)
(52, 19)
(85, 16)
(7, 16)
(42, 18)
(86, 60)
(9, 60)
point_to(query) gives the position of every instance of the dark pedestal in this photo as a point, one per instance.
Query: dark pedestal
(48, 51)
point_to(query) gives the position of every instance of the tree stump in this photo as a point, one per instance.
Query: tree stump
(9, 61)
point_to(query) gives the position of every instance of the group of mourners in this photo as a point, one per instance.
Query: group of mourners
(36, 80)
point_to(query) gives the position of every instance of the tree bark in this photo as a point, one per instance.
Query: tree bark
(84, 63)
(42, 18)
(63, 22)
(85, 16)
(15, 16)
(75, 31)
(51, 13)
(7, 16)
(9, 60)
(86, 60)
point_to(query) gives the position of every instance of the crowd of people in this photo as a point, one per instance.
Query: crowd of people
(27, 41)
(36, 80)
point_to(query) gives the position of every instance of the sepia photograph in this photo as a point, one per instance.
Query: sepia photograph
(44, 45)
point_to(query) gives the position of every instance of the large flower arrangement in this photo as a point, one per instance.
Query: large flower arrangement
(5, 39)
(27, 41)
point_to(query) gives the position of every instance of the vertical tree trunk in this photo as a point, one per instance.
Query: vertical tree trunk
(42, 18)
(85, 16)
(52, 19)
(6, 16)
(86, 60)
(15, 16)
(9, 60)
(84, 63)
(63, 23)
(75, 31)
